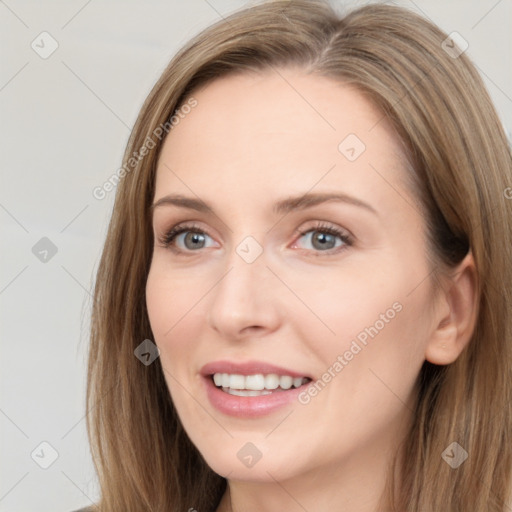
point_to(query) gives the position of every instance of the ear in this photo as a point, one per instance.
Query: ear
(456, 315)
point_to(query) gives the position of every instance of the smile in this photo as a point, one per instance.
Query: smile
(257, 384)
(251, 389)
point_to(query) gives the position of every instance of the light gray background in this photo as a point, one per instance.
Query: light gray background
(65, 122)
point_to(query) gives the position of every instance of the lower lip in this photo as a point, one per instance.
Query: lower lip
(249, 406)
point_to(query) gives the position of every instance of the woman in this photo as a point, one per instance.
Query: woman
(340, 337)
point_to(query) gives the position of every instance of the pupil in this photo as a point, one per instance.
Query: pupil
(322, 239)
(195, 237)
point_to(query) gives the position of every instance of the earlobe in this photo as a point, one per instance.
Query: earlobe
(442, 348)
(456, 317)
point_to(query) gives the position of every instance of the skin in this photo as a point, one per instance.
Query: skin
(252, 140)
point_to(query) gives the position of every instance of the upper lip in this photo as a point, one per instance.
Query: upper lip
(248, 368)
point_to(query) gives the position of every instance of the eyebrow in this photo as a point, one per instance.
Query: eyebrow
(282, 206)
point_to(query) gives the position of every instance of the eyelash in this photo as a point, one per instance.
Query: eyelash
(168, 238)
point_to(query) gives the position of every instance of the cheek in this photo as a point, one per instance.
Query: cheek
(367, 320)
(342, 304)
(173, 319)
(159, 303)
(170, 299)
(171, 316)
(366, 372)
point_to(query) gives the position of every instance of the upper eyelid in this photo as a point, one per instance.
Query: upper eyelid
(316, 224)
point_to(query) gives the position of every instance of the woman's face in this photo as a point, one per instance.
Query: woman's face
(273, 283)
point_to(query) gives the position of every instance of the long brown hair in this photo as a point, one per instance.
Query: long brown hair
(460, 167)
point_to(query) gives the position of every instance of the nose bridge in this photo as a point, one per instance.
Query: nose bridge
(247, 264)
(243, 296)
(245, 279)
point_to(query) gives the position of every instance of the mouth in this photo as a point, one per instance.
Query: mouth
(251, 389)
(258, 384)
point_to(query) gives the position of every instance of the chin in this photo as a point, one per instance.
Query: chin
(236, 464)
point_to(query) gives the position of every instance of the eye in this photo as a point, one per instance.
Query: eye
(190, 237)
(323, 238)
(193, 238)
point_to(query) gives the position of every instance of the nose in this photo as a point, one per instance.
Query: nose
(244, 302)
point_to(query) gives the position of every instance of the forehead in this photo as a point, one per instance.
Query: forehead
(253, 133)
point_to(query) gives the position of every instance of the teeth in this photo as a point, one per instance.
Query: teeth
(237, 382)
(248, 392)
(255, 385)
(297, 382)
(254, 382)
(271, 381)
(286, 382)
